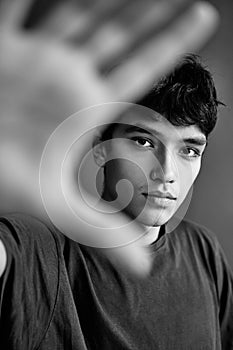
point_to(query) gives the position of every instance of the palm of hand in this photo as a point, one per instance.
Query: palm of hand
(44, 80)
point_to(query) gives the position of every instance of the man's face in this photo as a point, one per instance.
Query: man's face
(160, 161)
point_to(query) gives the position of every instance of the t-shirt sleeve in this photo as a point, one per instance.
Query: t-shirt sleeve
(223, 278)
(29, 284)
(214, 260)
(225, 294)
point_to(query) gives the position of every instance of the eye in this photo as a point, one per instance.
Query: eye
(190, 152)
(142, 141)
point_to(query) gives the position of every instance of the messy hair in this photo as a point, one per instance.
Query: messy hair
(187, 96)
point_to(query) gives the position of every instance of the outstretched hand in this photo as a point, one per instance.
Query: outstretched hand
(76, 57)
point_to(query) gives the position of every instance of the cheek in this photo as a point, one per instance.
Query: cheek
(119, 169)
(187, 176)
(126, 162)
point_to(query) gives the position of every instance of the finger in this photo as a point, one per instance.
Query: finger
(93, 17)
(63, 19)
(109, 30)
(13, 13)
(53, 20)
(132, 27)
(38, 11)
(154, 58)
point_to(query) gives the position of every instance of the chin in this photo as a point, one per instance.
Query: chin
(150, 219)
(151, 223)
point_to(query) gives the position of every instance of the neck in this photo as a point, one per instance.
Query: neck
(151, 235)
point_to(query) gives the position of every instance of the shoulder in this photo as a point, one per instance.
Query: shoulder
(197, 241)
(193, 232)
(31, 277)
(24, 237)
(200, 243)
(27, 228)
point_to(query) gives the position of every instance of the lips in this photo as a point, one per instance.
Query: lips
(159, 199)
(160, 194)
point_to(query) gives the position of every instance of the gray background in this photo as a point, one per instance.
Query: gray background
(212, 201)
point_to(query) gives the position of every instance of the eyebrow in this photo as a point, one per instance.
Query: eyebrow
(141, 129)
(197, 140)
(194, 140)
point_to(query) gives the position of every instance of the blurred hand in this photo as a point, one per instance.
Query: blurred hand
(78, 56)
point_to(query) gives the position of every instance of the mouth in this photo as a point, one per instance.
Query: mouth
(159, 194)
(159, 197)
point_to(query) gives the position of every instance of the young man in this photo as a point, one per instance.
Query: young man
(58, 294)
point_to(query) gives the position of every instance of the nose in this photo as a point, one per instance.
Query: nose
(164, 167)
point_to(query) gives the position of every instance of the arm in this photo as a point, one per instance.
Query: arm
(58, 68)
(3, 258)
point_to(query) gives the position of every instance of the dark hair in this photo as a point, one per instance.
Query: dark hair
(187, 96)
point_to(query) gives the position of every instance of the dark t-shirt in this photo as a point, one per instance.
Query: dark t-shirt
(57, 294)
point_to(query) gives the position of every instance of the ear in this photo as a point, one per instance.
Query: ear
(99, 151)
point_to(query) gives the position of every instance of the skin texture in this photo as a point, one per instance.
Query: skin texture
(158, 158)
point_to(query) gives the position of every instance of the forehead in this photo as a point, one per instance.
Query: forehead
(144, 119)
